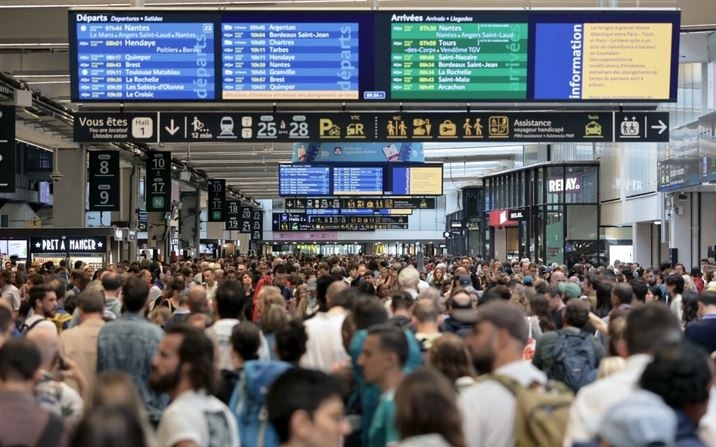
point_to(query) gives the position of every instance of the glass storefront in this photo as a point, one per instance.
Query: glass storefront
(552, 207)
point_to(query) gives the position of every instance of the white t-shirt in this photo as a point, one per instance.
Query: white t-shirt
(324, 347)
(488, 408)
(12, 295)
(220, 334)
(204, 420)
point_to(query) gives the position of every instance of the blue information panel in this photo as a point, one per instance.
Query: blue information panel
(303, 180)
(142, 57)
(358, 180)
(290, 60)
(309, 55)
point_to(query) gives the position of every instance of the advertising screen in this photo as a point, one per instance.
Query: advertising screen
(283, 55)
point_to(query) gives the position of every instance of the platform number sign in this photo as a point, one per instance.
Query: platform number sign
(104, 181)
(232, 214)
(245, 219)
(159, 181)
(217, 200)
(257, 224)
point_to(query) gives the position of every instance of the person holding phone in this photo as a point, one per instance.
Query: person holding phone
(52, 392)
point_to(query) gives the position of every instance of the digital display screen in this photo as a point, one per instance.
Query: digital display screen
(374, 56)
(303, 180)
(590, 61)
(13, 248)
(142, 57)
(444, 60)
(357, 180)
(386, 179)
(290, 60)
(417, 181)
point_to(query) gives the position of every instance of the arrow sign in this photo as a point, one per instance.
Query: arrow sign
(661, 127)
(171, 128)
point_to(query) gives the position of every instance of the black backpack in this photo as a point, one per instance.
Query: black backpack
(575, 360)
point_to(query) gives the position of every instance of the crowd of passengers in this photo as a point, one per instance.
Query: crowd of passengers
(357, 350)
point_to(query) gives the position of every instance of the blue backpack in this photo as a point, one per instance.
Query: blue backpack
(248, 402)
(575, 361)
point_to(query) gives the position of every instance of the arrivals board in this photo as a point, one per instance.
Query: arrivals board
(454, 61)
(361, 179)
(288, 55)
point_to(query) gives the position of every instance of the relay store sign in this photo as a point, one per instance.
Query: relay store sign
(569, 184)
(68, 245)
(500, 218)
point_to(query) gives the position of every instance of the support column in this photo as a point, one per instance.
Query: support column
(70, 191)
(126, 217)
(680, 227)
(641, 238)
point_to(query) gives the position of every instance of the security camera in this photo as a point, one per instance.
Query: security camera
(682, 196)
(56, 176)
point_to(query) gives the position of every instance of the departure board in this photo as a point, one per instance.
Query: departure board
(438, 60)
(290, 61)
(140, 57)
(304, 180)
(358, 180)
(289, 55)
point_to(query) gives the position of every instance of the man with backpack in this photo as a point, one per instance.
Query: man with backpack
(43, 301)
(495, 409)
(570, 355)
(648, 328)
(184, 367)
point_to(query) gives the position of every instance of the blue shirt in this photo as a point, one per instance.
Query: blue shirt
(128, 344)
(703, 332)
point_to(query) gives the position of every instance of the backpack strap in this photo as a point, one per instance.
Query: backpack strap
(263, 426)
(52, 432)
(25, 328)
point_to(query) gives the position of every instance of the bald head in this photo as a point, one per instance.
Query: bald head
(334, 289)
(47, 341)
(196, 299)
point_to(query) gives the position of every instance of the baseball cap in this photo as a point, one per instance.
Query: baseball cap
(528, 280)
(570, 290)
(641, 420)
(464, 281)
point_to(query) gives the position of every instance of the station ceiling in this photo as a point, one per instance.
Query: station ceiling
(34, 49)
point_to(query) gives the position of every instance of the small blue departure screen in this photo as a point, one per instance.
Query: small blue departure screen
(358, 180)
(304, 180)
